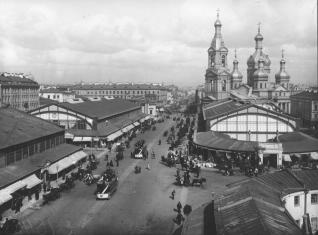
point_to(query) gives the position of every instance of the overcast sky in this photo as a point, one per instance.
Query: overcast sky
(66, 41)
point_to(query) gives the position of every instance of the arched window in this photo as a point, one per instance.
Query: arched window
(223, 85)
(223, 60)
(260, 85)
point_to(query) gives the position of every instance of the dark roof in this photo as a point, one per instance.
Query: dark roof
(18, 127)
(119, 87)
(17, 80)
(25, 167)
(45, 101)
(218, 141)
(298, 142)
(55, 90)
(306, 95)
(308, 177)
(101, 109)
(222, 107)
(252, 216)
(106, 128)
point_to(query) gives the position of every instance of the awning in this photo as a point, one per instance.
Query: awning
(4, 197)
(77, 139)
(68, 135)
(66, 162)
(78, 156)
(136, 124)
(127, 128)
(314, 156)
(114, 136)
(15, 187)
(31, 181)
(286, 158)
(148, 117)
(87, 139)
(142, 120)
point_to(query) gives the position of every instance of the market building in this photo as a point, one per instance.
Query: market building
(96, 120)
(18, 91)
(284, 202)
(155, 93)
(305, 106)
(32, 153)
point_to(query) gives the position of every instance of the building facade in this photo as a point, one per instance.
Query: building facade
(57, 95)
(305, 106)
(157, 93)
(18, 91)
(220, 83)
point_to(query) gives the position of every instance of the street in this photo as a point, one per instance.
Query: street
(141, 204)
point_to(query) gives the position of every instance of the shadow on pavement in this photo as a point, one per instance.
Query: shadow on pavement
(178, 231)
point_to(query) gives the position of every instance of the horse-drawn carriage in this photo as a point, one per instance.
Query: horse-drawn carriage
(90, 179)
(68, 184)
(137, 169)
(51, 195)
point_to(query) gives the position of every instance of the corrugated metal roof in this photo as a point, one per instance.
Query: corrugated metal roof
(103, 108)
(28, 166)
(18, 127)
(298, 142)
(219, 141)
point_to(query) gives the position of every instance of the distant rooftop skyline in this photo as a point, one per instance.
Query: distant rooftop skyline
(151, 41)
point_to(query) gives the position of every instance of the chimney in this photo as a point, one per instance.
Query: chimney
(306, 227)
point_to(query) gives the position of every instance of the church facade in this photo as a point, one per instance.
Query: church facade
(221, 83)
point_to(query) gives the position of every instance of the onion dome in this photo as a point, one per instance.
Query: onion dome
(260, 74)
(236, 74)
(282, 75)
(258, 54)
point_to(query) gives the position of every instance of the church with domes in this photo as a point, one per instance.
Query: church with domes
(222, 83)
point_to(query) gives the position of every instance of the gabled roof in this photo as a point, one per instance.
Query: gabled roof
(100, 109)
(223, 107)
(17, 127)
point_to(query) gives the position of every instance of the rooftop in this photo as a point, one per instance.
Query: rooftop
(219, 141)
(23, 168)
(100, 109)
(119, 87)
(17, 127)
(298, 142)
(313, 94)
(55, 90)
(8, 79)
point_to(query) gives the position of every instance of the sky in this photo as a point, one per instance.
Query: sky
(161, 41)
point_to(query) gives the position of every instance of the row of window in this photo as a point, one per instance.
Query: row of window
(11, 91)
(31, 149)
(108, 92)
(313, 199)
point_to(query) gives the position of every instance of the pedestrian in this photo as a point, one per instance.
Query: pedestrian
(106, 157)
(179, 207)
(198, 171)
(111, 163)
(117, 162)
(256, 172)
(172, 194)
(148, 166)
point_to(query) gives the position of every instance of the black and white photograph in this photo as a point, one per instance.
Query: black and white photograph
(166, 117)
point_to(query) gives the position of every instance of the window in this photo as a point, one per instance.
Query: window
(314, 223)
(314, 198)
(223, 85)
(260, 85)
(10, 158)
(48, 96)
(316, 107)
(296, 201)
(223, 60)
